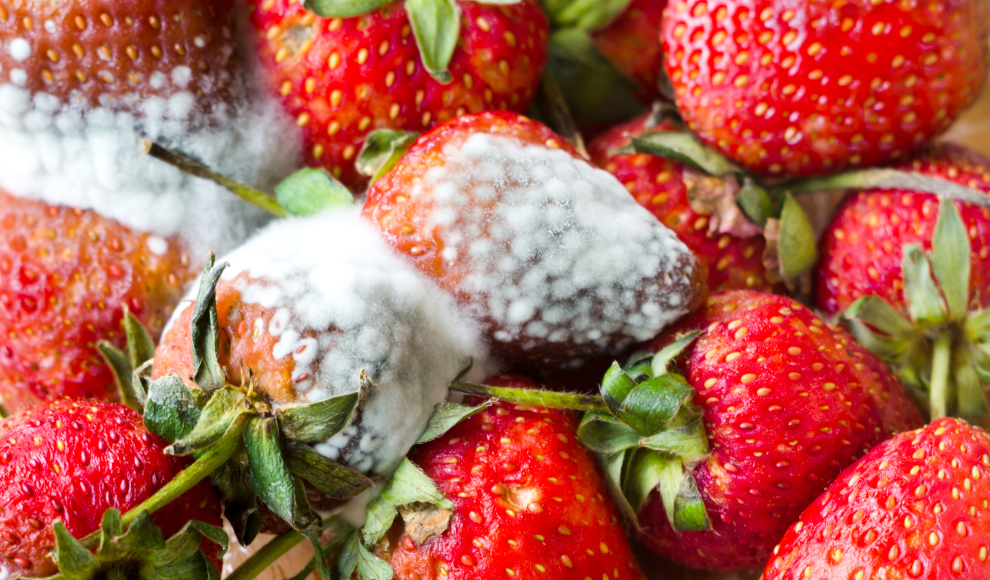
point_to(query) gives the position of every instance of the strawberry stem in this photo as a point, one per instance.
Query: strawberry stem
(185, 164)
(550, 399)
(266, 556)
(941, 357)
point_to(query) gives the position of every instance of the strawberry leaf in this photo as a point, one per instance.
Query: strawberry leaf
(661, 361)
(123, 373)
(923, 298)
(796, 245)
(446, 416)
(612, 468)
(205, 330)
(683, 148)
(379, 516)
(410, 485)
(654, 402)
(951, 259)
(140, 346)
(171, 411)
(688, 442)
(74, 561)
(584, 14)
(436, 25)
(606, 434)
(317, 422)
(643, 477)
(345, 563)
(616, 386)
(215, 420)
(971, 403)
(382, 150)
(333, 479)
(343, 8)
(755, 202)
(311, 191)
(370, 567)
(690, 514)
(276, 486)
(879, 314)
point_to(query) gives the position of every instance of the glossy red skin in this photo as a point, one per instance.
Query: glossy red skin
(110, 48)
(795, 406)
(71, 460)
(914, 507)
(631, 43)
(656, 184)
(862, 249)
(65, 277)
(568, 524)
(802, 88)
(339, 100)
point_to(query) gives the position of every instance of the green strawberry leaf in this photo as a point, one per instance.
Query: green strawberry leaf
(612, 468)
(879, 314)
(215, 420)
(971, 402)
(605, 434)
(140, 346)
(436, 25)
(616, 386)
(585, 14)
(276, 486)
(643, 476)
(690, 514)
(755, 202)
(923, 298)
(317, 422)
(446, 416)
(382, 150)
(688, 442)
(796, 245)
(205, 330)
(410, 485)
(345, 563)
(334, 480)
(171, 411)
(595, 92)
(654, 402)
(670, 475)
(660, 362)
(74, 561)
(123, 373)
(683, 148)
(311, 191)
(379, 516)
(343, 8)
(951, 259)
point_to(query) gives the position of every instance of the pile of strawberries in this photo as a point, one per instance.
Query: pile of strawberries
(622, 200)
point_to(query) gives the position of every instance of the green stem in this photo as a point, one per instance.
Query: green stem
(941, 357)
(185, 164)
(215, 456)
(884, 178)
(266, 556)
(115, 574)
(550, 399)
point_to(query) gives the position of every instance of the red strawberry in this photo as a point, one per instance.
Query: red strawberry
(552, 260)
(787, 402)
(529, 501)
(342, 78)
(91, 53)
(72, 459)
(65, 278)
(805, 88)
(631, 42)
(913, 507)
(874, 268)
(665, 188)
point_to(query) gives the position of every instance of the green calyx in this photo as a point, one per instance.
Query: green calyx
(306, 192)
(644, 427)
(132, 369)
(940, 348)
(588, 15)
(436, 24)
(252, 451)
(139, 552)
(382, 150)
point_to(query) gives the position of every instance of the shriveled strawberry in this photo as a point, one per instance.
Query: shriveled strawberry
(913, 507)
(100, 53)
(806, 88)
(66, 276)
(342, 78)
(787, 402)
(631, 42)
(529, 500)
(70, 460)
(878, 257)
(551, 255)
(665, 188)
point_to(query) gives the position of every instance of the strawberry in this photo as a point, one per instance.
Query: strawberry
(557, 262)
(874, 269)
(798, 89)
(913, 507)
(66, 278)
(342, 78)
(69, 460)
(90, 54)
(669, 190)
(631, 42)
(528, 501)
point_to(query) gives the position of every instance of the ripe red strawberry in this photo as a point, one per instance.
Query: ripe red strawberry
(529, 501)
(913, 507)
(72, 459)
(65, 278)
(665, 188)
(342, 78)
(102, 53)
(807, 88)
(787, 402)
(631, 42)
(862, 249)
(551, 260)
(874, 268)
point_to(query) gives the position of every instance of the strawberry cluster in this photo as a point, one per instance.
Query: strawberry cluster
(758, 297)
